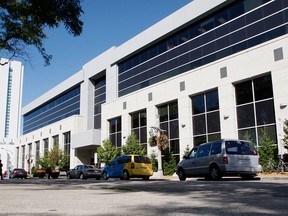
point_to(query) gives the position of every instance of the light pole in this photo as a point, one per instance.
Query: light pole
(155, 131)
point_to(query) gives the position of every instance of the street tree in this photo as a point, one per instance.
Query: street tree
(133, 146)
(23, 24)
(107, 152)
(54, 157)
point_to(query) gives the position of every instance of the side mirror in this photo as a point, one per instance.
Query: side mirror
(185, 157)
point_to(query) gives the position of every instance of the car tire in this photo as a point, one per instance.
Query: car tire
(104, 175)
(181, 174)
(146, 178)
(81, 176)
(68, 176)
(215, 173)
(125, 175)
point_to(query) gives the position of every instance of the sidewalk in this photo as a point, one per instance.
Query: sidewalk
(275, 176)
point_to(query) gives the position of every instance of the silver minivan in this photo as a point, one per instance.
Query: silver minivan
(226, 157)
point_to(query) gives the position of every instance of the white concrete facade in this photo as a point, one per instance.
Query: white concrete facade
(245, 65)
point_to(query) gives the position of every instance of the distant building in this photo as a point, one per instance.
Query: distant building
(11, 80)
(211, 70)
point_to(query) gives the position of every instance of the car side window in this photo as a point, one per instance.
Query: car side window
(204, 150)
(193, 153)
(216, 148)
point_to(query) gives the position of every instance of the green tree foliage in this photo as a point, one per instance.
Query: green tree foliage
(154, 161)
(53, 157)
(285, 129)
(23, 24)
(268, 152)
(133, 146)
(107, 152)
(169, 162)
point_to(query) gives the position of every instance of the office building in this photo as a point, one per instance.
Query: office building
(11, 80)
(211, 70)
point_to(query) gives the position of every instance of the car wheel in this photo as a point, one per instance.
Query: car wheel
(81, 176)
(215, 173)
(181, 174)
(68, 176)
(125, 175)
(146, 178)
(104, 175)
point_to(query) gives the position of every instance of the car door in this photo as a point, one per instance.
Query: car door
(189, 162)
(202, 162)
(73, 172)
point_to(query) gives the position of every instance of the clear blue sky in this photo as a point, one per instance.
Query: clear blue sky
(107, 23)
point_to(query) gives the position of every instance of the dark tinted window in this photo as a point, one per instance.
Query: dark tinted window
(239, 147)
(203, 150)
(141, 159)
(216, 148)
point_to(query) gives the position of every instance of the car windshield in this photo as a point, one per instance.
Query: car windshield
(240, 147)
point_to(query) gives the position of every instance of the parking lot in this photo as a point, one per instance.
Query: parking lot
(169, 196)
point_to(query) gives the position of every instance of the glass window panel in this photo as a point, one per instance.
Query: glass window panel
(213, 122)
(134, 120)
(143, 119)
(213, 137)
(174, 146)
(174, 129)
(244, 92)
(199, 125)
(265, 112)
(173, 111)
(163, 112)
(263, 88)
(112, 126)
(112, 138)
(199, 140)
(245, 116)
(212, 102)
(198, 104)
(269, 131)
(118, 120)
(164, 126)
(119, 140)
(143, 135)
(248, 134)
(136, 132)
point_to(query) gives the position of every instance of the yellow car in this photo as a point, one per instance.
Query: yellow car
(128, 166)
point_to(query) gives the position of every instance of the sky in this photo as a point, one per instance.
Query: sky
(107, 23)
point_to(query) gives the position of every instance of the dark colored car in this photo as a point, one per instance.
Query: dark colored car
(18, 173)
(84, 172)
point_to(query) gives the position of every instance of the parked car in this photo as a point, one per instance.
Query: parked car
(220, 158)
(18, 173)
(84, 172)
(128, 166)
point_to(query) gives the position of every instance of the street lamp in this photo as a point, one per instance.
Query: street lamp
(155, 131)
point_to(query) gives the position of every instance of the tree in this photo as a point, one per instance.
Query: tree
(22, 24)
(53, 157)
(268, 152)
(285, 129)
(154, 161)
(107, 153)
(133, 146)
(169, 162)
